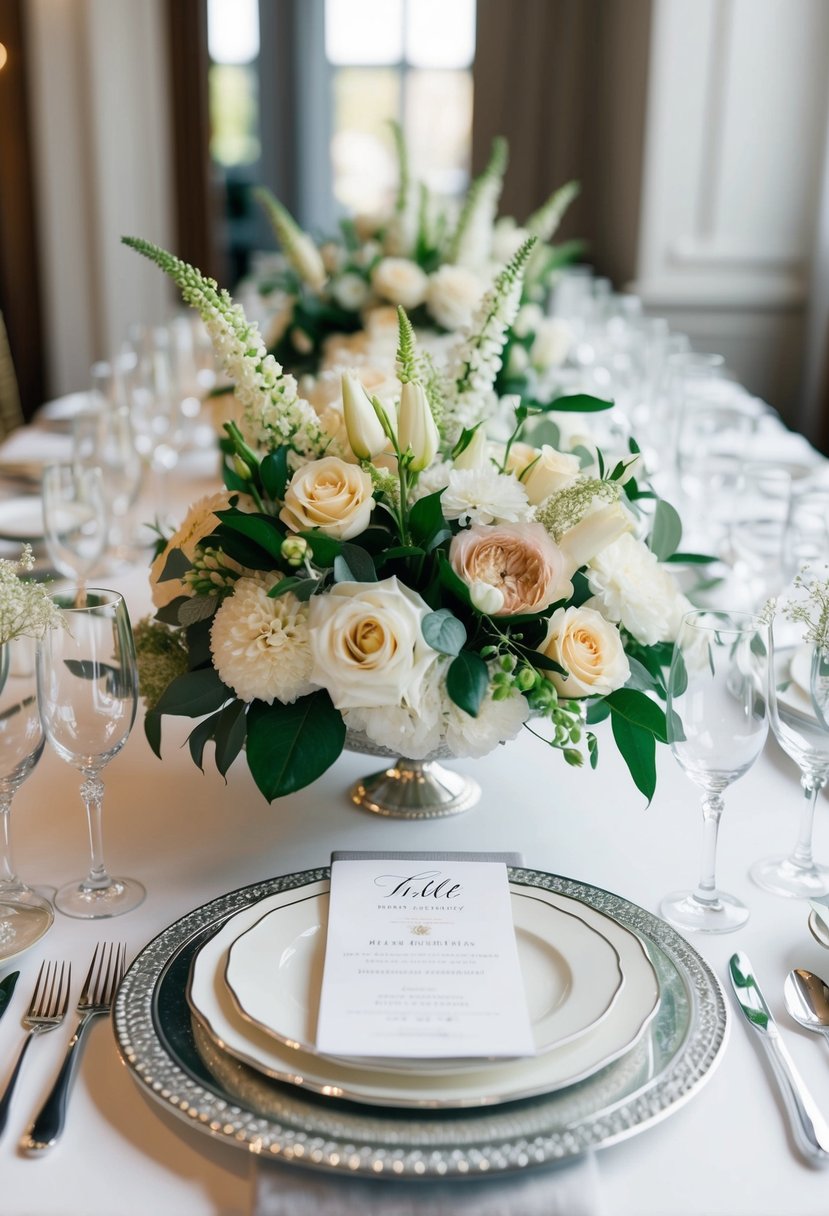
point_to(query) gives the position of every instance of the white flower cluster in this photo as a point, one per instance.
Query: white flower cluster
(26, 611)
(472, 240)
(274, 412)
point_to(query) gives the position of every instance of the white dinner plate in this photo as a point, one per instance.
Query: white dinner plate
(492, 1083)
(21, 518)
(274, 972)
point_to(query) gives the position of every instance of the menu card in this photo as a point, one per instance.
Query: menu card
(421, 959)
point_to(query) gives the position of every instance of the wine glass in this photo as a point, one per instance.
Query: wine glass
(88, 691)
(24, 915)
(717, 725)
(104, 439)
(798, 706)
(74, 518)
(155, 410)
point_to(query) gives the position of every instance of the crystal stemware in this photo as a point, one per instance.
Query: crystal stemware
(717, 725)
(88, 691)
(24, 915)
(74, 518)
(104, 439)
(798, 708)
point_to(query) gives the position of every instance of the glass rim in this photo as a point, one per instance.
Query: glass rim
(111, 601)
(744, 622)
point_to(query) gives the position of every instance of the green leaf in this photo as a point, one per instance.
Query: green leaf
(289, 746)
(233, 481)
(542, 661)
(152, 729)
(194, 693)
(324, 548)
(452, 582)
(302, 588)
(643, 679)
(467, 681)
(586, 457)
(578, 403)
(443, 631)
(238, 547)
(197, 608)
(466, 437)
(638, 750)
(199, 736)
(263, 530)
(168, 615)
(426, 519)
(666, 531)
(678, 678)
(400, 551)
(692, 559)
(176, 566)
(273, 470)
(639, 710)
(198, 645)
(546, 431)
(229, 734)
(592, 749)
(597, 711)
(353, 565)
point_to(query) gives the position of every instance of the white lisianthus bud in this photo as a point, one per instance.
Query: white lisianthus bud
(240, 468)
(475, 453)
(364, 429)
(487, 599)
(417, 432)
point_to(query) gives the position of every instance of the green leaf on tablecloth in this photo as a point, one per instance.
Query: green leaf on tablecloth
(194, 693)
(467, 681)
(666, 530)
(639, 710)
(176, 566)
(289, 746)
(229, 735)
(443, 631)
(638, 750)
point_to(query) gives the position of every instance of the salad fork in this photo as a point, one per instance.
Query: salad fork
(46, 1011)
(102, 979)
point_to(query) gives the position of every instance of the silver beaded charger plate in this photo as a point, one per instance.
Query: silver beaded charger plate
(188, 1075)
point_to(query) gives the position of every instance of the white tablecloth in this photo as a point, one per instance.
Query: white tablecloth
(190, 837)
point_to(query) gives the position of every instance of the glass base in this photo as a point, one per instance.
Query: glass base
(782, 876)
(723, 914)
(24, 918)
(84, 902)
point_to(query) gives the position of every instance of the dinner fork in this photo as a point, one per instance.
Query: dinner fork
(102, 979)
(46, 1011)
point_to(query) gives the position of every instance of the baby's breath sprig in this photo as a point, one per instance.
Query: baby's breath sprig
(568, 507)
(26, 611)
(811, 610)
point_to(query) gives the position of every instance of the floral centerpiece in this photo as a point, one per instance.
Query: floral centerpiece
(332, 304)
(410, 580)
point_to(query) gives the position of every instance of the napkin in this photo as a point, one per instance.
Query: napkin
(33, 445)
(565, 1190)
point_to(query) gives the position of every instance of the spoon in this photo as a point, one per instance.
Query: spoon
(807, 1000)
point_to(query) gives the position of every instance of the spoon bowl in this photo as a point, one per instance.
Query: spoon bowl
(807, 1000)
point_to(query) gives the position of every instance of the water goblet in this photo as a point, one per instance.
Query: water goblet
(798, 705)
(717, 725)
(24, 915)
(105, 440)
(88, 691)
(74, 519)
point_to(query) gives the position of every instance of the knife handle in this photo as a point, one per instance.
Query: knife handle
(809, 1127)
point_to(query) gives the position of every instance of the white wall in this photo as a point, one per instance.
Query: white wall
(100, 110)
(734, 151)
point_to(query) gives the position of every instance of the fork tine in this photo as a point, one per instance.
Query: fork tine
(87, 984)
(47, 989)
(102, 978)
(63, 995)
(36, 994)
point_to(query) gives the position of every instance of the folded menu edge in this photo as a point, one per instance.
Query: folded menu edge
(510, 859)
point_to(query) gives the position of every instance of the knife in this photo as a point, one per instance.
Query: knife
(6, 990)
(810, 1129)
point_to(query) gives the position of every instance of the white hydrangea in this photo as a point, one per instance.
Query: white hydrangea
(452, 296)
(631, 588)
(482, 495)
(496, 722)
(410, 731)
(261, 645)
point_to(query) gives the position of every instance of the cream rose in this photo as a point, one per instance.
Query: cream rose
(351, 291)
(453, 294)
(330, 495)
(522, 562)
(367, 645)
(399, 281)
(542, 471)
(589, 648)
(199, 522)
(631, 587)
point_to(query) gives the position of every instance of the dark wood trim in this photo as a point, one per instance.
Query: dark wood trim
(194, 204)
(19, 269)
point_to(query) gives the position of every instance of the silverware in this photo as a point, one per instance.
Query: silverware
(102, 979)
(46, 1011)
(6, 989)
(807, 1000)
(810, 1129)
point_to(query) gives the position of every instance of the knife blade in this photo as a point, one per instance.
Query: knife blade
(6, 989)
(809, 1128)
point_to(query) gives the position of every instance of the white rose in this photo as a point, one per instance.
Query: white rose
(400, 281)
(589, 648)
(630, 586)
(351, 291)
(453, 294)
(551, 346)
(199, 522)
(330, 495)
(549, 470)
(600, 527)
(367, 645)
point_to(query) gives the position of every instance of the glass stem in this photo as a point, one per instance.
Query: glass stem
(7, 875)
(92, 792)
(812, 784)
(712, 809)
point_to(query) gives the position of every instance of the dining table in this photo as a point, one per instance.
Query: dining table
(191, 836)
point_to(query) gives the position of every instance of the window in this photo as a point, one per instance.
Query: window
(233, 45)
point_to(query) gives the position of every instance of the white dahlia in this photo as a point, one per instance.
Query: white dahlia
(496, 722)
(631, 588)
(484, 496)
(260, 645)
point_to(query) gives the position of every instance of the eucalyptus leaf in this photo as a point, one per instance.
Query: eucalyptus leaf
(443, 631)
(353, 565)
(324, 548)
(467, 681)
(666, 530)
(197, 608)
(289, 746)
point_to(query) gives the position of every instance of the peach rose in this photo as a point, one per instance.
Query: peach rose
(519, 560)
(589, 648)
(330, 495)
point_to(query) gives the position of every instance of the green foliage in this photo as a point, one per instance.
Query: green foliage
(289, 746)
